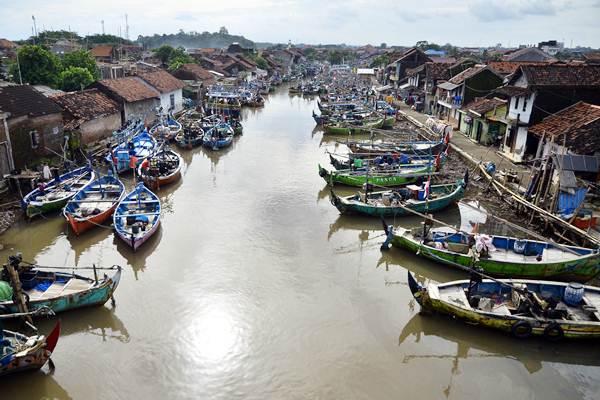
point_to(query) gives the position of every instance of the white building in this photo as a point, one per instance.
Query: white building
(169, 87)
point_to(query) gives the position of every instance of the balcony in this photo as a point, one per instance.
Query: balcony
(451, 102)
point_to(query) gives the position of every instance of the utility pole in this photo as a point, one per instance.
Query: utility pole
(102, 22)
(126, 28)
(35, 32)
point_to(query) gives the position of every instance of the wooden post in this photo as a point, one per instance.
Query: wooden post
(18, 291)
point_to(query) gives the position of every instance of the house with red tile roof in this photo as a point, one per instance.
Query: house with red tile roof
(91, 113)
(169, 87)
(135, 97)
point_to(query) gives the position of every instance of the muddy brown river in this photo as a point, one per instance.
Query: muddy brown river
(256, 288)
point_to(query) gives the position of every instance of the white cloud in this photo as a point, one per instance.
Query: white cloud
(462, 22)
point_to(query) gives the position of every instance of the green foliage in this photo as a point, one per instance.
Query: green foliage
(173, 57)
(223, 31)
(339, 56)
(380, 61)
(259, 61)
(52, 36)
(105, 39)
(38, 66)
(193, 40)
(82, 59)
(75, 78)
(310, 53)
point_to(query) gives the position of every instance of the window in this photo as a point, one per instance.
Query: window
(35, 139)
(172, 98)
(517, 103)
(524, 103)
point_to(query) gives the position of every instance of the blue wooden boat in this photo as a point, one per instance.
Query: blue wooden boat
(59, 291)
(140, 146)
(167, 128)
(53, 195)
(137, 216)
(220, 136)
(94, 204)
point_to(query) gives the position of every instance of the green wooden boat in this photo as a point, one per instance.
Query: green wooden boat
(393, 203)
(388, 122)
(522, 307)
(403, 175)
(499, 256)
(352, 128)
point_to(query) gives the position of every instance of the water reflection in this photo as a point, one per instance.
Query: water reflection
(29, 385)
(137, 259)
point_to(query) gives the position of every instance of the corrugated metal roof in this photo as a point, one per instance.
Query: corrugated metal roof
(577, 163)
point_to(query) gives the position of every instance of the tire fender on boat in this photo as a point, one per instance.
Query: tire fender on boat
(521, 329)
(554, 332)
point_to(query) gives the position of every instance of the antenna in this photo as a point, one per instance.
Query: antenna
(102, 22)
(35, 32)
(126, 28)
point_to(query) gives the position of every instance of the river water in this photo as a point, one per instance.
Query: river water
(256, 288)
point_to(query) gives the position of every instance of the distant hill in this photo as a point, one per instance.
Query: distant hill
(219, 39)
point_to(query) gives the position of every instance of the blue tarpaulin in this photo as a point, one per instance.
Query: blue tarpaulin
(568, 203)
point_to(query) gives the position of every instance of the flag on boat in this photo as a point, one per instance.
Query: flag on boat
(472, 214)
(426, 189)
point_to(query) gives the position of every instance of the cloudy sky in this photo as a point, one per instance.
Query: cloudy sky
(401, 22)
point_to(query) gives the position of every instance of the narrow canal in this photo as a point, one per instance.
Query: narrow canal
(256, 288)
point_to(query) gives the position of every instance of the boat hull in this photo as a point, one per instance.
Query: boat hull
(579, 270)
(80, 225)
(360, 180)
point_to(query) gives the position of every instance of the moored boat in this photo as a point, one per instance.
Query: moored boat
(499, 256)
(525, 308)
(167, 128)
(53, 195)
(220, 136)
(160, 169)
(56, 290)
(396, 203)
(353, 127)
(19, 352)
(137, 216)
(402, 175)
(189, 138)
(94, 203)
(136, 148)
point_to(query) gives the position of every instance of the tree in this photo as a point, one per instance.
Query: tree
(82, 59)
(37, 65)
(380, 61)
(383, 45)
(223, 31)
(422, 44)
(105, 39)
(164, 53)
(75, 78)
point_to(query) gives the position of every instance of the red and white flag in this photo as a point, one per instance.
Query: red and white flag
(426, 188)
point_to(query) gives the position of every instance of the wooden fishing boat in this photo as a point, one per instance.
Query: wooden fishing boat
(137, 216)
(500, 256)
(53, 195)
(166, 129)
(353, 127)
(189, 138)
(161, 169)
(59, 291)
(140, 146)
(220, 136)
(416, 148)
(401, 176)
(320, 119)
(524, 308)
(394, 203)
(19, 352)
(94, 204)
(238, 129)
(353, 160)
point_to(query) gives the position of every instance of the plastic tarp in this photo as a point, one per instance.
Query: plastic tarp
(568, 203)
(6, 291)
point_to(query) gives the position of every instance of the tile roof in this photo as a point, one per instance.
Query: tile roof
(86, 106)
(162, 80)
(528, 54)
(509, 67)
(592, 56)
(102, 50)
(434, 70)
(482, 105)
(6, 44)
(511, 91)
(568, 121)
(24, 100)
(409, 53)
(129, 89)
(196, 71)
(466, 74)
(561, 75)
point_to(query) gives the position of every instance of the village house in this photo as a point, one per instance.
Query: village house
(7, 48)
(236, 48)
(196, 79)
(528, 54)
(591, 58)
(170, 88)
(576, 127)
(476, 81)
(105, 53)
(412, 58)
(536, 91)
(136, 98)
(35, 126)
(482, 120)
(64, 46)
(90, 113)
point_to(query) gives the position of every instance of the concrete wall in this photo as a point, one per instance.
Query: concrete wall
(165, 101)
(142, 109)
(99, 128)
(50, 135)
(515, 107)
